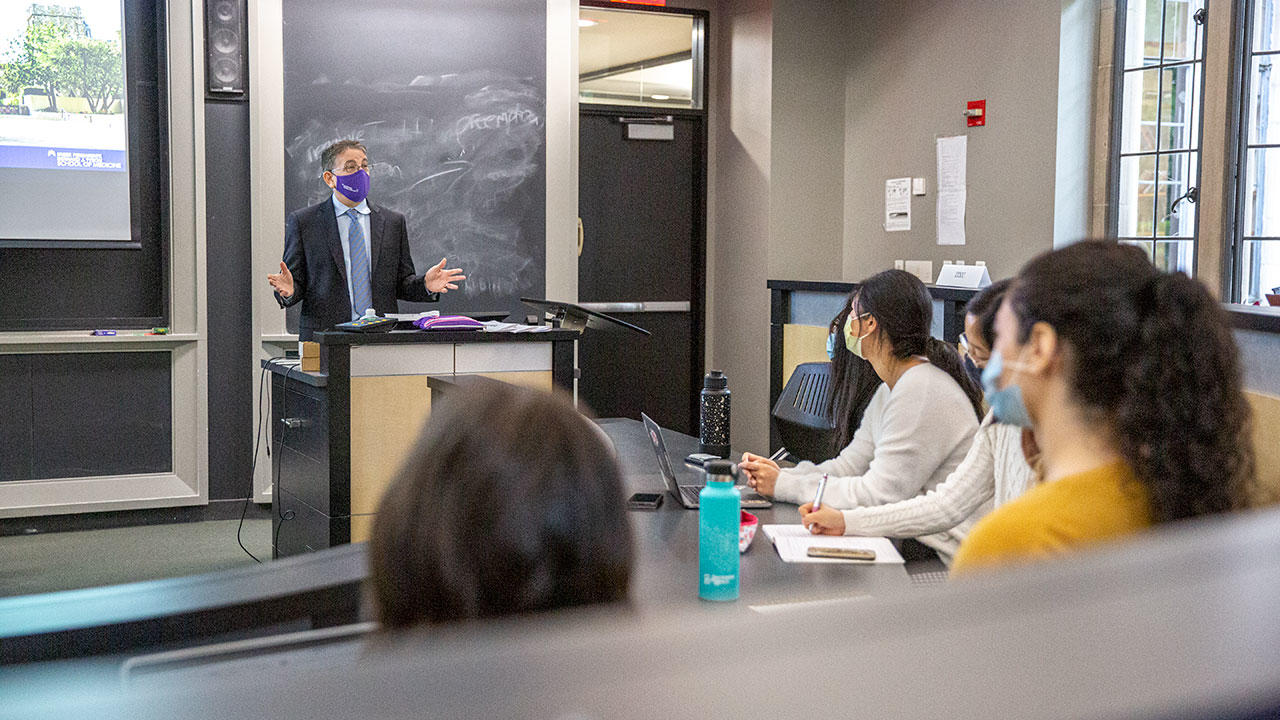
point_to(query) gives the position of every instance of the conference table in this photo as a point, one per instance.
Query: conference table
(666, 542)
(325, 588)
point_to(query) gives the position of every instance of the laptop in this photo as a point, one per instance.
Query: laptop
(688, 494)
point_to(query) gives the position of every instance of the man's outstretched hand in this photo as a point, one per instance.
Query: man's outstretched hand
(282, 282)
(438, 278)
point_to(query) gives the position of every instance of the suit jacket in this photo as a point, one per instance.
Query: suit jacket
(313, 253)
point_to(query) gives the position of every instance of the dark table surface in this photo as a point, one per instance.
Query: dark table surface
(666, 542)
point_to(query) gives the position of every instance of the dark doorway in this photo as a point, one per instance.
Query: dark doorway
(642, 200)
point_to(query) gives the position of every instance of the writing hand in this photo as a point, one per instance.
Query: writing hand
(282, 282)
(826, 521)
(441, 280)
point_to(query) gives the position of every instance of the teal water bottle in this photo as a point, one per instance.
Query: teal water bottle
(719, 514)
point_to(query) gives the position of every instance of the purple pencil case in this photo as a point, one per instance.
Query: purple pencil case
(448, 322)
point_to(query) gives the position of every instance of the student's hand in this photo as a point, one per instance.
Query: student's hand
(441, 280)
(282, 282)
(826, 521)
(762, 473)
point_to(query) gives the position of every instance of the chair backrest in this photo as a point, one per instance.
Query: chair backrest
(320, 589)
(1266, 446)
(801, 414)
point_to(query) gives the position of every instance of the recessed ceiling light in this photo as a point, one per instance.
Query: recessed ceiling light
(587, 22)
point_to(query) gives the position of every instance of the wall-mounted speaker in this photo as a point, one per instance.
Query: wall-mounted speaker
(226, 45)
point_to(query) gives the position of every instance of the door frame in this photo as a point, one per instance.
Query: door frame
(698, 274)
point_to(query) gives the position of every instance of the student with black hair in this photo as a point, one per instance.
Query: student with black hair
(853, 382)
(489, 517)
(1130, 378)
(995, 469)
(919, 423)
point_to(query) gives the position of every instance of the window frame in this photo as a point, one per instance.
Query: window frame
(1238, 148)
(1115, 152)
(698, 54)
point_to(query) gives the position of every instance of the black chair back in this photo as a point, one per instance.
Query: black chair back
(801, 413)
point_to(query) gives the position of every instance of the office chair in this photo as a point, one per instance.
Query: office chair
(801, 412)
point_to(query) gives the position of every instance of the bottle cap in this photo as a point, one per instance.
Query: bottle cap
(722, 467)
(715, 380)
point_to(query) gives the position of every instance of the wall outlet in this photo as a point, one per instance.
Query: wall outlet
(899, 264)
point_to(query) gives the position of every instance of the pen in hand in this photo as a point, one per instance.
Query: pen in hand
(817, 500)
(778, 454)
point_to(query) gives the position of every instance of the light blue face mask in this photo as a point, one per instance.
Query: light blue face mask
(831, 346)
(1006, 402)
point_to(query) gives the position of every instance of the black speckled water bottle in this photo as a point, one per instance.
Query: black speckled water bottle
(713, 424)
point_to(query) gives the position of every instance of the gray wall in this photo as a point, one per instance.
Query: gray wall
(818, 102)
(738, 249)
(912, 67)
(806, 193)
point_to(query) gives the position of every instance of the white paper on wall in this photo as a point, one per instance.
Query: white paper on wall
(952, 168)
(897, 204)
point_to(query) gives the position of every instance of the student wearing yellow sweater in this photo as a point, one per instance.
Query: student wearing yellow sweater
(1130, 379)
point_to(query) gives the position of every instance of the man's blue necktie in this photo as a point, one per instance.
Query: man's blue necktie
(361, 295)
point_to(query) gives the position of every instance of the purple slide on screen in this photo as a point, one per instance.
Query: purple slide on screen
(47, 158)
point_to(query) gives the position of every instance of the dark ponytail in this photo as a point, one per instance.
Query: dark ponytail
(904, 311)
(854, 381)
(1153, 358)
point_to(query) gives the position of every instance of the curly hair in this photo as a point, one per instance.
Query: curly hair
(902, 306)
(1151, 357)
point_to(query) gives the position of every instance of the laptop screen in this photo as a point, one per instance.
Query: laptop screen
(660, 449)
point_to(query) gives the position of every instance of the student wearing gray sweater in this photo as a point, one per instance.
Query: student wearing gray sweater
(995, 468)
(919, 424)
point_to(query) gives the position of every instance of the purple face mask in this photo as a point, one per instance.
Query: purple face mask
(355, 187)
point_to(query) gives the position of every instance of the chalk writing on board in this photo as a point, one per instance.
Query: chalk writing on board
(460, 155)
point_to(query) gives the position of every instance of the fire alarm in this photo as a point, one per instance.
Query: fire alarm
(976, 113)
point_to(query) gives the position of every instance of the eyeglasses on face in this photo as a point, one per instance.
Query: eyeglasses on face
(350, 167)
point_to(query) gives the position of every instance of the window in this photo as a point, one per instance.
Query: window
(1257, 260)
(628, 57)
(1156, 171)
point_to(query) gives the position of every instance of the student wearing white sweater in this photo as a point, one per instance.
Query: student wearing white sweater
(995, 468)
(919, 423)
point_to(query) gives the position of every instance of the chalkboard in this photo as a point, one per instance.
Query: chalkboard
(450, 99)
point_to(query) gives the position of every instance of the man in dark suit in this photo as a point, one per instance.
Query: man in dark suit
(344, 255)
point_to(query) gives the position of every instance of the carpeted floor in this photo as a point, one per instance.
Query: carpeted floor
(68, 560)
